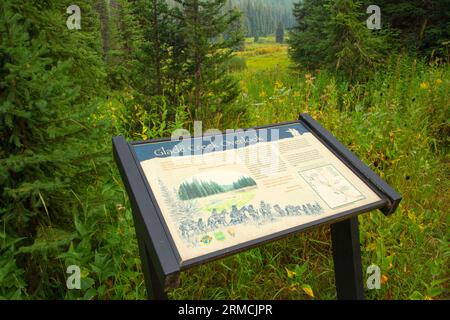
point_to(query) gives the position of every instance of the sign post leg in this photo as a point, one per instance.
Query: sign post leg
(347, 259)
(155, 291)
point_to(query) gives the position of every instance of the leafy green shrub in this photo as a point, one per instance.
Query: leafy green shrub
(48, 139)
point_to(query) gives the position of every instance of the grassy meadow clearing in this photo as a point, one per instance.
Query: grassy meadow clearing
(395, 123)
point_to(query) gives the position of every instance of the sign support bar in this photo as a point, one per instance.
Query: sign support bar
(347, 259)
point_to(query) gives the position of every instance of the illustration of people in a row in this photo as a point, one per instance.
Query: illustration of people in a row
(264, 214)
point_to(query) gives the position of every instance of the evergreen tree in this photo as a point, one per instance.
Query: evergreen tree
(307, 40)
(238, 28)
(202, 25)
(279, 36)
(154, 51)
(47, 140)
(422, 26)
(333, 34)
(121, 37)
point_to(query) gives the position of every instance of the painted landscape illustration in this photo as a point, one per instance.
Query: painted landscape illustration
(209, 206)
(199, 188)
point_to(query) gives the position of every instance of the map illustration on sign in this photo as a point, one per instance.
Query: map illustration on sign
(331, 186)
(270, 180)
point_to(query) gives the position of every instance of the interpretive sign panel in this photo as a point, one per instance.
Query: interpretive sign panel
(200, 198)
(269, 180)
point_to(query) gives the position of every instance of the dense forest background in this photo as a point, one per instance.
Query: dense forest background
(142, 68)
(261, 17)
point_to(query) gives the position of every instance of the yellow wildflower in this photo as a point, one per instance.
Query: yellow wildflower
(308, 290)
(290, 273)
(309, 79)
(424, 85)
(278, 84)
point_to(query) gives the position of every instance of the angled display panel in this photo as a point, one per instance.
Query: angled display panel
(219, 194)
